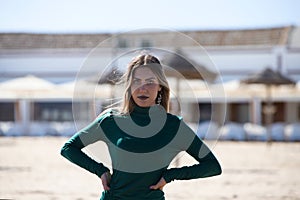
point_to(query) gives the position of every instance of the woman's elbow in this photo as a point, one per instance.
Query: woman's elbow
(64, 150)
(218, 168)
(215, 168)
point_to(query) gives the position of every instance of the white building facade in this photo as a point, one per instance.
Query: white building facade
(235, 54)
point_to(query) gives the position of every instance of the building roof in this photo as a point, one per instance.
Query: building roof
(272, 36)
(268, 37)
(31, 41)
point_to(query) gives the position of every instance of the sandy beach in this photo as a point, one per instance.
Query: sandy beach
(32, 168)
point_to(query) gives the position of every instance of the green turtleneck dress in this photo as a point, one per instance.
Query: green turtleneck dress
(141, 147)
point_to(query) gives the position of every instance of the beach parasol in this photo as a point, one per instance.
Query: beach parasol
(189, 69)
(269, 78)
(179, 66)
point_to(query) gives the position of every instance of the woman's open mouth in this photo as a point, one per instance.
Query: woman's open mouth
(143, 98)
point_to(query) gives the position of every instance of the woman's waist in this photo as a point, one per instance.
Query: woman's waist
(133, 194)
(135, 182)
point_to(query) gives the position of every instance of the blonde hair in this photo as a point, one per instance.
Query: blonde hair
(151, 62)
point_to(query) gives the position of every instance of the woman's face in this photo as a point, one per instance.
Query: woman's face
(144, 87)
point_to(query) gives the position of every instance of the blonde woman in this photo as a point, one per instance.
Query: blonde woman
(142, 138)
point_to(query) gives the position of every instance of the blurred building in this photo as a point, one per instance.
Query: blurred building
(236, 53)
(60, 58)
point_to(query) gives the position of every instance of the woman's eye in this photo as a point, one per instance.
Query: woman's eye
(150, 82)
(135, 82)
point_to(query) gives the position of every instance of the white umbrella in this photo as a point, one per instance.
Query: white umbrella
(28, 83)
(27, 86)
(84, 89)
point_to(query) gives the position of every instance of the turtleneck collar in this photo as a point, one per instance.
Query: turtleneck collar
(141, 110)
(143, 115)
(145, 110)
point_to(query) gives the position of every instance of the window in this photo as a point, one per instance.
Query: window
(146, 43)
(298, 112)
(278, 115)
(122, 43)
(52, 111)
(239, 112)
(205, 111)
(7, 111)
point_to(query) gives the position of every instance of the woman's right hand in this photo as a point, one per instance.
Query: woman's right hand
(105, 178)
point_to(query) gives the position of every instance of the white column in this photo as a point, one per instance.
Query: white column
(256, 110)
(25, 115)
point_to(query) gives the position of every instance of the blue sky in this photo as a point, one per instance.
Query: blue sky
(68, 16)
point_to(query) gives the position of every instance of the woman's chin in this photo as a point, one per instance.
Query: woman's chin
(144, 104)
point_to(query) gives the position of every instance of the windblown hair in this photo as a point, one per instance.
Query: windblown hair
(151, 62)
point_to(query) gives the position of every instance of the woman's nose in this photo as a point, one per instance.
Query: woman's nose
(143, 87)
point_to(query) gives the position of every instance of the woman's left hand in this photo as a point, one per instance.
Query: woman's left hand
(159, 185)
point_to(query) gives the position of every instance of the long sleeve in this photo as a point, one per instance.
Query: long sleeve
(208, 164)
(72, 148)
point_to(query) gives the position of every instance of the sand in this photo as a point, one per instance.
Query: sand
(32, 168)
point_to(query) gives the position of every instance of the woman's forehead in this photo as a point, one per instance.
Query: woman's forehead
(143, 73)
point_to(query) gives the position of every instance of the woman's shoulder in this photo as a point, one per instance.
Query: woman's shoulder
(107, 113)
(174, 117)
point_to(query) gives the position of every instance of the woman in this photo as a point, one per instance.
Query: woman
(142, 138)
